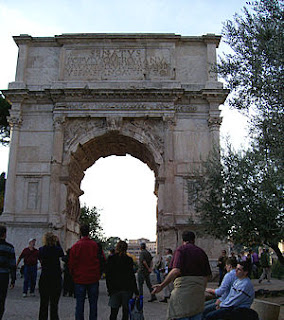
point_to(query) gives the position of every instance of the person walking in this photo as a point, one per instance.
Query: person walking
(265, 264)
(167, 290)
(120, 281)
(30, 256)
(158, 264)
(190, 272)
(50, 279)
(144, 270)
(84, 266)
(7, 266)
(255, 264)
(221, 265)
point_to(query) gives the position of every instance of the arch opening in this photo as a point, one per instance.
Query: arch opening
(110, 144)
(121, 188)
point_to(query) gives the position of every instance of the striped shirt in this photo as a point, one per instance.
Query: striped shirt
(7, 259)
(241, 294)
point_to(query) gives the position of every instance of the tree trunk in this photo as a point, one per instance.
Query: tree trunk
(278, 252)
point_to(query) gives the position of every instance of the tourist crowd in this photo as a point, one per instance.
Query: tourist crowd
(182, 276)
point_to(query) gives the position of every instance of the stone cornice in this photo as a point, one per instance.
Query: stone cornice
(67, 38)
(215, 95)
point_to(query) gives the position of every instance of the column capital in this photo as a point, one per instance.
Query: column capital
(15, 119)
(214, 122)
(58, 122)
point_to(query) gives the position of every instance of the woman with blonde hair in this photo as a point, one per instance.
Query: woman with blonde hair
(50, 278)
(120, 280)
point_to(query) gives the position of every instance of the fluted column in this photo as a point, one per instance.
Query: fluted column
(214, 121)
(56, 164)
(15, 121)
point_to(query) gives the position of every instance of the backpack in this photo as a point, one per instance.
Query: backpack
(136, 309)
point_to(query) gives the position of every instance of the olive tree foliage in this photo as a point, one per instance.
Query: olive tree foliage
(253, 71)
(241, 196)
(241, 199)
(110, 243)
(5, 106)
(91, 217)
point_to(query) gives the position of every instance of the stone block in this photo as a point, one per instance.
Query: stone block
(266, 310)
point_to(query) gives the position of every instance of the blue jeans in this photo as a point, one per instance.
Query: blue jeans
(196, 317)
(209, 306)
(80, 295)
(30, 274)
(157, 272)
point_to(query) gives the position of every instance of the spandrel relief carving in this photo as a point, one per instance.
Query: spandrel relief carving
(152, 130)
(75, 130)
(114, 63)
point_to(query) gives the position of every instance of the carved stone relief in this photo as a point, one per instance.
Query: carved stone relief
(150, 130)
(76, 129)
(73, 206)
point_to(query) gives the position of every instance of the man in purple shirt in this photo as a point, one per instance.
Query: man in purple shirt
(190, 272)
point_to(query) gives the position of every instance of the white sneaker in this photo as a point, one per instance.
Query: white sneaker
(32, 295)
(24, 295)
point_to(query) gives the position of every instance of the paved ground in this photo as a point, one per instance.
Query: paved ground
(18, 308)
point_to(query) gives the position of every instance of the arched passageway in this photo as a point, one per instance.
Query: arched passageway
(122, 189)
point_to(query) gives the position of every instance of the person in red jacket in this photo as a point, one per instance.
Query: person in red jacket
(84, 266)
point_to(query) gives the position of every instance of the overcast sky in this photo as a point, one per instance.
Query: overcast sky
(122, 187)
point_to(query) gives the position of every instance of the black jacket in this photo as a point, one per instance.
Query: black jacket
(120, 274)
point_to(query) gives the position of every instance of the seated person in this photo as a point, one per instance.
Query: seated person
(223, 291)
(241, 295)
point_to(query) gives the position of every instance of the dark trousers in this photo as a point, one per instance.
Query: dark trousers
(218, 314)
(68, 284)
(141, 278)
(4, 282)
(49, 290)
(114, 313)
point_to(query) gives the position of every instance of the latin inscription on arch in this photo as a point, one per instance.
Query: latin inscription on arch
(117, 63)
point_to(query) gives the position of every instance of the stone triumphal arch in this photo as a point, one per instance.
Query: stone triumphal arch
(79, 97)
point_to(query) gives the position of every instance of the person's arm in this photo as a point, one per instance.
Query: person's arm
(109, 275)
(71, 261)
(133, 279)
(225, 286)
(146, 266)
(174, 273)
(12, 263)
(20, 258)
(206, 278)
(210, 290)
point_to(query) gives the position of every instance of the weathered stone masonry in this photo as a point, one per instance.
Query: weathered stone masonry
(79, 97)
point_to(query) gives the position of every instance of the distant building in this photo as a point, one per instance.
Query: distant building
(134, 246)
